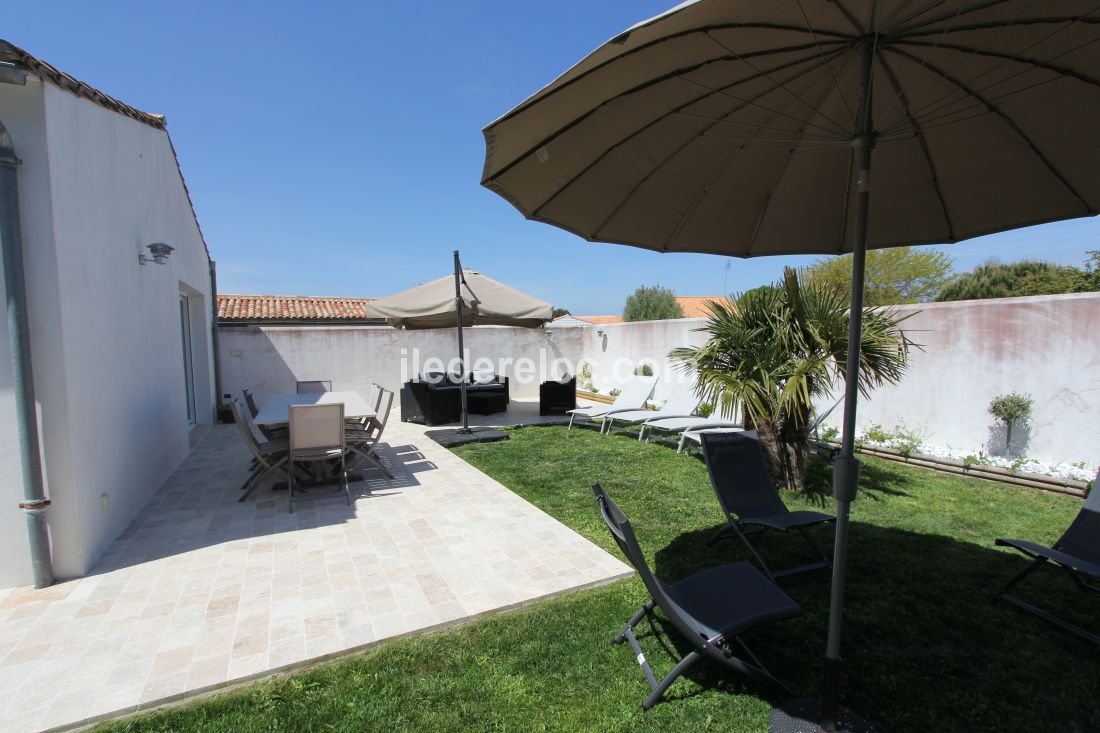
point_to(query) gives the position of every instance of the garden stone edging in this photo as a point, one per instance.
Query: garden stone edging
(990, 473)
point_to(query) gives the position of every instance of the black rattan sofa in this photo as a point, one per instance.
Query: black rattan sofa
(436, 399)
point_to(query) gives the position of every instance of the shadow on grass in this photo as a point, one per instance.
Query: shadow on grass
(926, 647)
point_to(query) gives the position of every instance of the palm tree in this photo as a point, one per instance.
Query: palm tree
(774, 349)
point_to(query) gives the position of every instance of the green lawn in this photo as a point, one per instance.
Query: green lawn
(925, 647)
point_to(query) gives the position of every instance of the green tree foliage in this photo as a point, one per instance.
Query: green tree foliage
(559, 312)
(776, 348)
(894, 275)
(652, 304)
(1011, 408)
(1027, 277)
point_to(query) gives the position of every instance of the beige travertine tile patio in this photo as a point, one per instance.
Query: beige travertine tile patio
(201, 590)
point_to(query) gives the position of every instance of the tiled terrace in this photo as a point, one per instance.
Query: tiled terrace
(202, 591)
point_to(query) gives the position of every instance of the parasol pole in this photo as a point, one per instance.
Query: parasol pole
(846, 465)
(458, 324)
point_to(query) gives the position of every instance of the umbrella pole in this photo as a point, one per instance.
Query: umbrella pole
(458, 324)
(845, 466)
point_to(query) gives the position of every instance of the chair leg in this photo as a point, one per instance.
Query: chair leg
(641, 433)
(1028, 570)
(759, 559)
(1050, 618)
(634, 621)
(720, 533)
(344, 477)
(369, 456)
(290, 487)
(682, 666)
(571, 416)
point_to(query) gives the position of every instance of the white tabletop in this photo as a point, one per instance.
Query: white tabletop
(276, 409)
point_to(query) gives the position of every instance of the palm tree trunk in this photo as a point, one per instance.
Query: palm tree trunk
(787, 453)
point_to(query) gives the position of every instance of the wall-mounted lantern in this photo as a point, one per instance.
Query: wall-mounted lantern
(159, 252)
(599, 332)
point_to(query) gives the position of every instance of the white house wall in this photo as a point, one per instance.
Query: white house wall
(115, 188)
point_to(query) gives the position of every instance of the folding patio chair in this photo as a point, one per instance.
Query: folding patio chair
(747, 494)
(632, 397)
(374, 394)
(362, 441)
(1077, 552)
(711, 608)
(317, 386)
(317, 434)
(254, 410)
(269, 456)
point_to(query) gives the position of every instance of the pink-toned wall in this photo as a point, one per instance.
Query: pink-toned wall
(1046, 346)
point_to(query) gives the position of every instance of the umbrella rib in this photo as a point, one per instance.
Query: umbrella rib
(850, 17)
(1004, 118)
(826, 62)
(914, 15)
(954, 16)
(971, 52)
(617, 145)
(945, 31)
(645, 85)
(892, 78)
(840, 128)
(1035, 63)
(705, 189)
(987, 26)
(657, 41)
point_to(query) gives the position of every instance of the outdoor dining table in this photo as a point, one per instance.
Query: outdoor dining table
(276, 411)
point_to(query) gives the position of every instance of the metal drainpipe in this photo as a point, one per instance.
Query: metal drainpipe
(34, 502)
(214, 338)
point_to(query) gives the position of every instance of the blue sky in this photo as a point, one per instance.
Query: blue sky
(335, 148)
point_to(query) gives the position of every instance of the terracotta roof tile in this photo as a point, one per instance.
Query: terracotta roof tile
(696, 306)
(303, 308)
(600, 320)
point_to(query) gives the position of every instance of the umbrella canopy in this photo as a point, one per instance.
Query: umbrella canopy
(485, 302)
(727, 127)
(747, 128)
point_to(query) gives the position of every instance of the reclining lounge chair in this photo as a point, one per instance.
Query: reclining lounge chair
(681, 403)
(633, 397)
(711, 608)
(747, 494)
(1077, 552)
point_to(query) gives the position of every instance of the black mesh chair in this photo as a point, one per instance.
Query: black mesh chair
(711, 609)
(747, 494)
(1077, 552)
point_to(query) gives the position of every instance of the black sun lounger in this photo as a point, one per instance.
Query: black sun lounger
(711, 608)
(1077, 553)
(748, 496)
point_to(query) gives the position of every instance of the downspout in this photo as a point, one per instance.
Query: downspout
(214, 339)
(34, 502)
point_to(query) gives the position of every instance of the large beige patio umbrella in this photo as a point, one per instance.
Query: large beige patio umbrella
(466, 298)
(746, 128)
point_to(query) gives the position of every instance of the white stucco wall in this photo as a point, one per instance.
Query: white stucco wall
(972, 351)
(1047, 346)
(623, 346)
(270, 359)
(95, 188)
